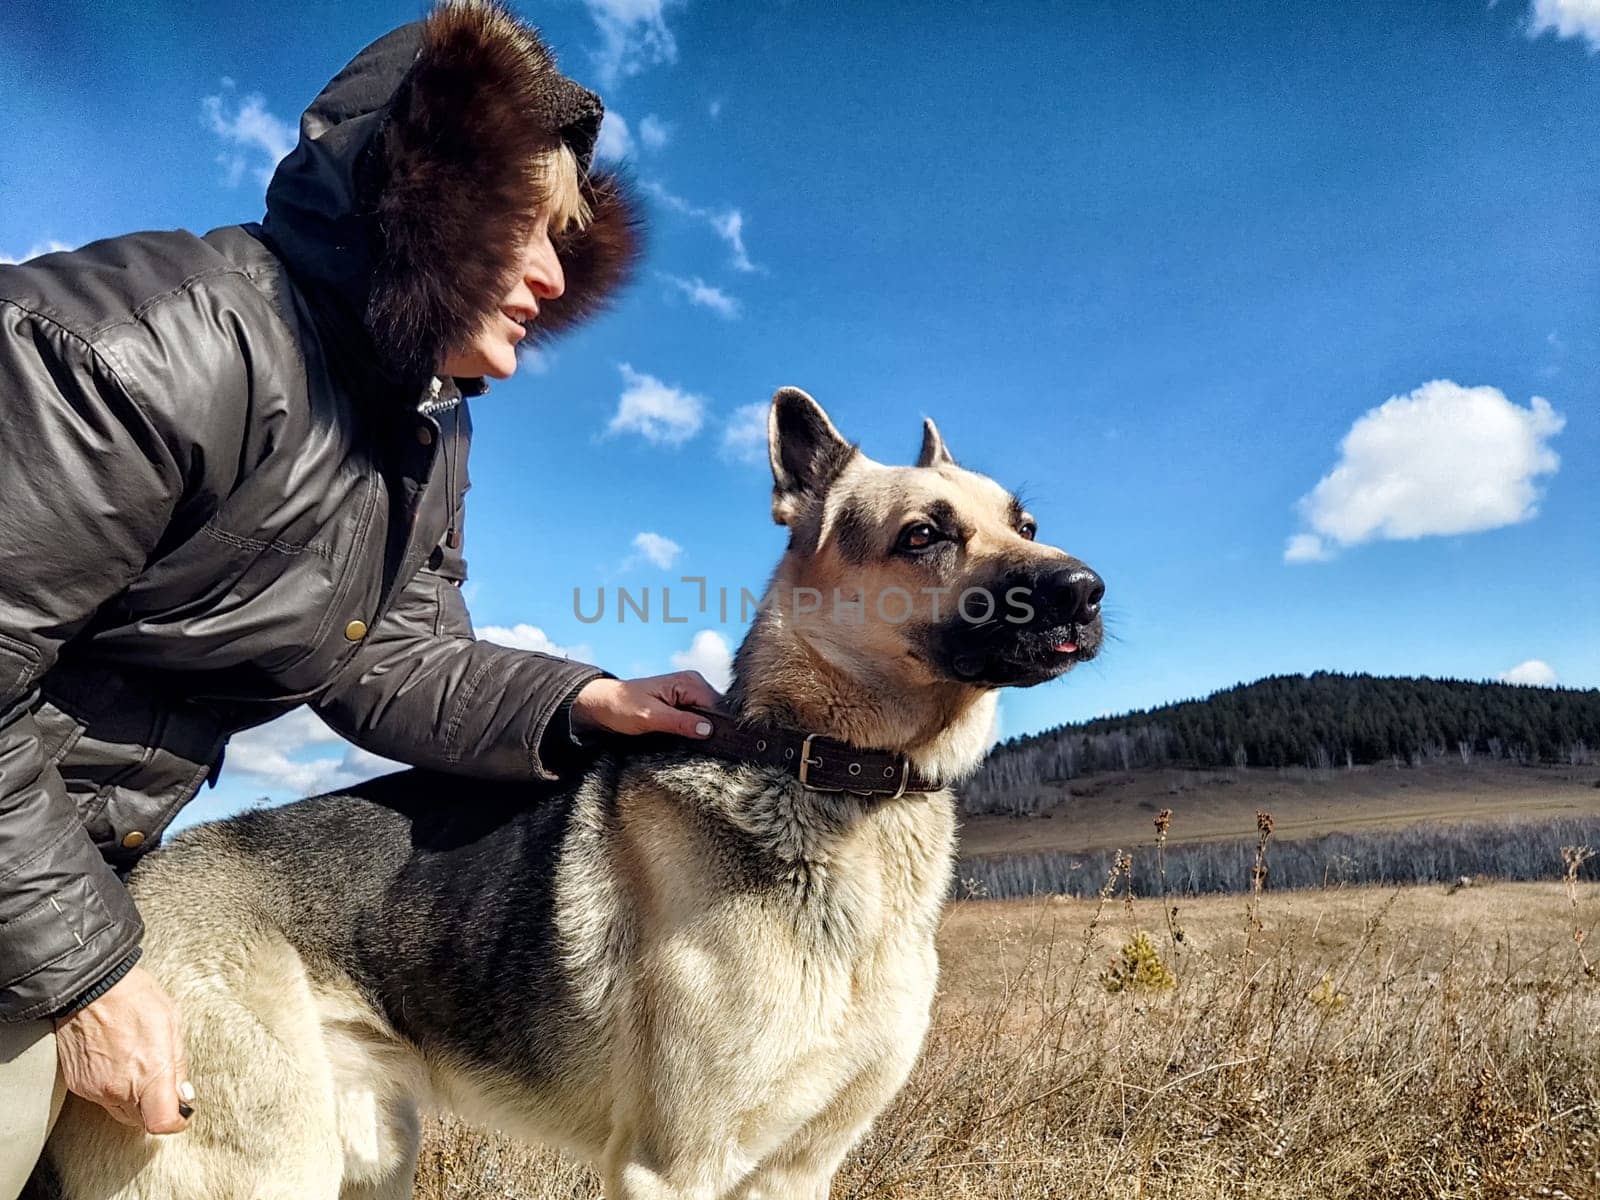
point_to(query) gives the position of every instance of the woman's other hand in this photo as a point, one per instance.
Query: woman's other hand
(125, 1052)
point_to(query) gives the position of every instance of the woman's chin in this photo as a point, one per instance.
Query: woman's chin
(500, 362)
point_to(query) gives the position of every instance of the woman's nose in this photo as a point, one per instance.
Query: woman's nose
(542, 270)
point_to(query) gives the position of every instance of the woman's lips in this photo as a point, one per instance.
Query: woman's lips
(517, 326)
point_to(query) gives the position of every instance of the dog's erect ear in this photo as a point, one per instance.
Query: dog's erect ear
(807, 452)
(933, 452)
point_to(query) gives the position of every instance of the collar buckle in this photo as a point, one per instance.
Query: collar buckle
(905, 777)
(807, 762)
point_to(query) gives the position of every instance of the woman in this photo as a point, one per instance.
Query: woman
(231, 482)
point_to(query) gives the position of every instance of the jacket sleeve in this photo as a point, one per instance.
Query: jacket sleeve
(88, 484)
(424, 691)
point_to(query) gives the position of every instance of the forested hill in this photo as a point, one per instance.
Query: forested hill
(1321, 720)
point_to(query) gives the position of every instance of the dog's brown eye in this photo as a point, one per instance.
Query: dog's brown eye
(918, 537)
(1028, 530)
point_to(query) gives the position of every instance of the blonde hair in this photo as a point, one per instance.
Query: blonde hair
(562, 187)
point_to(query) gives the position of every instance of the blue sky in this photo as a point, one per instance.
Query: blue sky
(1252, 302)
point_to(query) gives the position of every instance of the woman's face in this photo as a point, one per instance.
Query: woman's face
(492, 350)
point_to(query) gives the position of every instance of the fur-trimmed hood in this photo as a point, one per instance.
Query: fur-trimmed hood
(410, 190)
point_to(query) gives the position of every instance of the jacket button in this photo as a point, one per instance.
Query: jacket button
(132, 840)
(424, 435)
(355, 631)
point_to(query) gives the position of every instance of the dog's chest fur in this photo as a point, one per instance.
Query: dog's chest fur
(754, 992)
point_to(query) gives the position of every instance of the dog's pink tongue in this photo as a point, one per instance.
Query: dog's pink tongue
(1065, 647)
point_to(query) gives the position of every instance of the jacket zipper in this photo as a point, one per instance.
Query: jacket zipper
(453, 537)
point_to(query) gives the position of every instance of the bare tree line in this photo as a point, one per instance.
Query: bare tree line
(1515, 849)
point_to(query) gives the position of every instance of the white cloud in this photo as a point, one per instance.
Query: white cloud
(705, 295)
(299, 755)
(366, 764)
(282, 757)
(709, 654)
(522, 636)
(1567, 19)
(715, 108)
(49, 246)
(744, 437)
(727, 224)
(662, 551)
(1306, 547)
(250, 134)
(1534, 673)
(730, 228)
(615, 140)
(657, 411)
(534, 360)
(1444, 459)
(633, 37)
(654, 132)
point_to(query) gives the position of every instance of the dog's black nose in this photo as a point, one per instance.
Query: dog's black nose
(1071, 594)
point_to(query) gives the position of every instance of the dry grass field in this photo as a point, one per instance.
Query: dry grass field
(1346, 1043)
(1099, 812)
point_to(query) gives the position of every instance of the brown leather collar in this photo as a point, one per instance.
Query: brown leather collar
(821, 764)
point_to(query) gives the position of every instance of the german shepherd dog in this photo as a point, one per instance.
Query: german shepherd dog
(698, 974)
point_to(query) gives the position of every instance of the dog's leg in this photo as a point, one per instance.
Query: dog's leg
(635, 1178)
(803, 1169)
(639, 1167)
(103, 1160)
(265, 1123)
(395, 1179)
(376, 1082)
(399, 1184)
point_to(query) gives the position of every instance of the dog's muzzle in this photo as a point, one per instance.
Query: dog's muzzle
(1042, 623)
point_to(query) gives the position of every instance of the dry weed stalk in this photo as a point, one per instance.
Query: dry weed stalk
(1107, 890)
(1574, 857)
(1163, 824)
(1258, 881)
(1127, 889)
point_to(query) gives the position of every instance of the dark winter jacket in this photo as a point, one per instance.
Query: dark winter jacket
(230, 482)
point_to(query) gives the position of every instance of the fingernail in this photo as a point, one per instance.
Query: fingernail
(702, 728)
(186, 1092)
